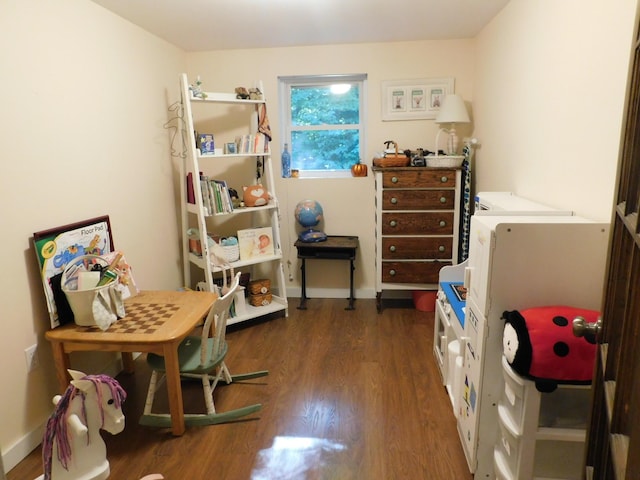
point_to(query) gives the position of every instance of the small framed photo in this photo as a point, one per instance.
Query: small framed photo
(206, 144)
(230, 148)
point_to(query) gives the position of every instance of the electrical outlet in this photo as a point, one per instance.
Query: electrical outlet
(31, 355)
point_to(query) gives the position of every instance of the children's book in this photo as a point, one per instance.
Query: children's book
(56, 247)
(255, 242)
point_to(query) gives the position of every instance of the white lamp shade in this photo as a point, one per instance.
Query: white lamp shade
(452, 110)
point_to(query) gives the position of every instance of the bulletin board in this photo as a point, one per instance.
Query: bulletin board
(55, 247)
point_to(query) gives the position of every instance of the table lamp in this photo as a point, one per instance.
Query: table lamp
(451, 112)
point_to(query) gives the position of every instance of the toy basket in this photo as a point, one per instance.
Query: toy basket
(260, 286)
(260, 300)
(231, 253)
(98, 306)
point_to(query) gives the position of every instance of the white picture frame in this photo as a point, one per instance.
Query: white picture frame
(416, 99)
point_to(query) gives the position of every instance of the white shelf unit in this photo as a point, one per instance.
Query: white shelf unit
(542, 435)
(517, 262)
(194, 214)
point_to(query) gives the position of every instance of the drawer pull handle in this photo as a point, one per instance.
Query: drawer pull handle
(392, 248)
(441, 248)
(444, 179)
(393, 223)
(443, 199)
(394, 200)
(394, 179)
(443, 223)
(392, 272)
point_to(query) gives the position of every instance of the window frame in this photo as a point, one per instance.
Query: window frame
(285, 83)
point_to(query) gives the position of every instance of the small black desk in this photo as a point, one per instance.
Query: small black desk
(335, 247)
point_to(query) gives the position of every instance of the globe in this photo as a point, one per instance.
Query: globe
(308, 214)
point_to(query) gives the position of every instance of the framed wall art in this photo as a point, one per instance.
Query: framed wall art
(416, 99)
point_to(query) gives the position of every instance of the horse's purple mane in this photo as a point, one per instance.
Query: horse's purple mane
(57, 425)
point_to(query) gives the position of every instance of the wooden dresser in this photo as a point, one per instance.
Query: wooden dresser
(417, 225)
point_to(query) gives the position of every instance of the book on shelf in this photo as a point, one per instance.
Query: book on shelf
(191, 196)
(252, 143)
(255, 242)
(216, 198)
(205, 189)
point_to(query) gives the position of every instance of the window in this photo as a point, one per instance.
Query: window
(322, 121)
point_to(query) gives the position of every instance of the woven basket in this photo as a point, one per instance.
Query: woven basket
(260, 286)
(260, 300)
(231, 252)
(392, 159)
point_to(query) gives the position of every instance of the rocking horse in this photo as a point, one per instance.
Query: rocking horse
(72, 448)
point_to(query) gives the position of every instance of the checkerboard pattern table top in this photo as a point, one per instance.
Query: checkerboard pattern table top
(150, 317)
(142, 318)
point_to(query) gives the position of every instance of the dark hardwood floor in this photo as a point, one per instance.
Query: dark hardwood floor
(350, 395)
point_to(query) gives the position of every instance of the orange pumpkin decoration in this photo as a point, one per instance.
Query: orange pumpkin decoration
(359, 170)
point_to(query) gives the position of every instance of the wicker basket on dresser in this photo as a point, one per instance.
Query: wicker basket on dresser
(417, 225)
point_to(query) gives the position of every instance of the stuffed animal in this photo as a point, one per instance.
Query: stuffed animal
(538, 343)
(255, 196)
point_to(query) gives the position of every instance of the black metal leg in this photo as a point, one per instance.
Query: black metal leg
(303, 296)
(379, 301)
(351, 295)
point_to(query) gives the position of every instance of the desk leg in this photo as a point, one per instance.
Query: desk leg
(351, 295)
(128, 365)
(61, 361)
(174, 389)
(303, 296)
(379, 301)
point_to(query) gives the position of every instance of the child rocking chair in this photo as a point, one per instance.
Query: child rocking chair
(202, 357)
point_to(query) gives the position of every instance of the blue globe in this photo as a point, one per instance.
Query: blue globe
(308, 213)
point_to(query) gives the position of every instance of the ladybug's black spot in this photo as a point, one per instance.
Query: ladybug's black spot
(561, 349)
(560, 321)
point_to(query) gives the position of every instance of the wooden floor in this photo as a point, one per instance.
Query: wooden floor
(350, 395)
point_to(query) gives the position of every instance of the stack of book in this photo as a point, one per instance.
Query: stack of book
(216, 199)
(252, 143)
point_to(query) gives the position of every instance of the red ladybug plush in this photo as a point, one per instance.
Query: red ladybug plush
(539, 344)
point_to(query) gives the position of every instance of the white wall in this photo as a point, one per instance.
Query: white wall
(84, 99)
(348, 203)
(549, 95)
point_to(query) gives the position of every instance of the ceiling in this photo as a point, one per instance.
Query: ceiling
(201, 25)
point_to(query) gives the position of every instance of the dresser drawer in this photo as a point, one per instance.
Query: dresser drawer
(419, 178)
(418, 199)
(416, 247)
(412, 272)
(434, 223)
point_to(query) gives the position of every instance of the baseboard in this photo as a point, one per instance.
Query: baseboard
(296, 292)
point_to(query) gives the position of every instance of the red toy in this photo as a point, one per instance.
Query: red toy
(539, 344)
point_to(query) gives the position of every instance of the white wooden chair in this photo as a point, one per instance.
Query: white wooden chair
(202, 357)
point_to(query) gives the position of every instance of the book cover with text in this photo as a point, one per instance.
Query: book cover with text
(255, 242)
